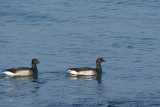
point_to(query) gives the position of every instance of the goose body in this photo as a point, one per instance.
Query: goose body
(23, 71)
(87, 70)
(82, 71)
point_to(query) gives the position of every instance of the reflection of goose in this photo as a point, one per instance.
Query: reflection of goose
(32, 77)
(23, 71)
(87, 70)
(86, 77)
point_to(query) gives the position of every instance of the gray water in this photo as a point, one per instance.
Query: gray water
(74, 33)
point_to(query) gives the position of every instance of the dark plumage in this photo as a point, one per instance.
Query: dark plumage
(88, 70)
(23, 71)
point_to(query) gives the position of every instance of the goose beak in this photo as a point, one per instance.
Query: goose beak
(104, 60)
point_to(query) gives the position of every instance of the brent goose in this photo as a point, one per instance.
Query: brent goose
(23, 71)
(87, 70)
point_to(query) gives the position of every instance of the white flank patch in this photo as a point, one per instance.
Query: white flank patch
(89, 72)
(72, 72)
(23, 73)
(8, 73)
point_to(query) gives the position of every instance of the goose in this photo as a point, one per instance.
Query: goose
(23, 71)
(87, 70)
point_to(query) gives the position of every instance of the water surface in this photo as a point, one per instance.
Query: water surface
(69, 33)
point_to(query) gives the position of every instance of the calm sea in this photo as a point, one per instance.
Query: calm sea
(74, 33)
